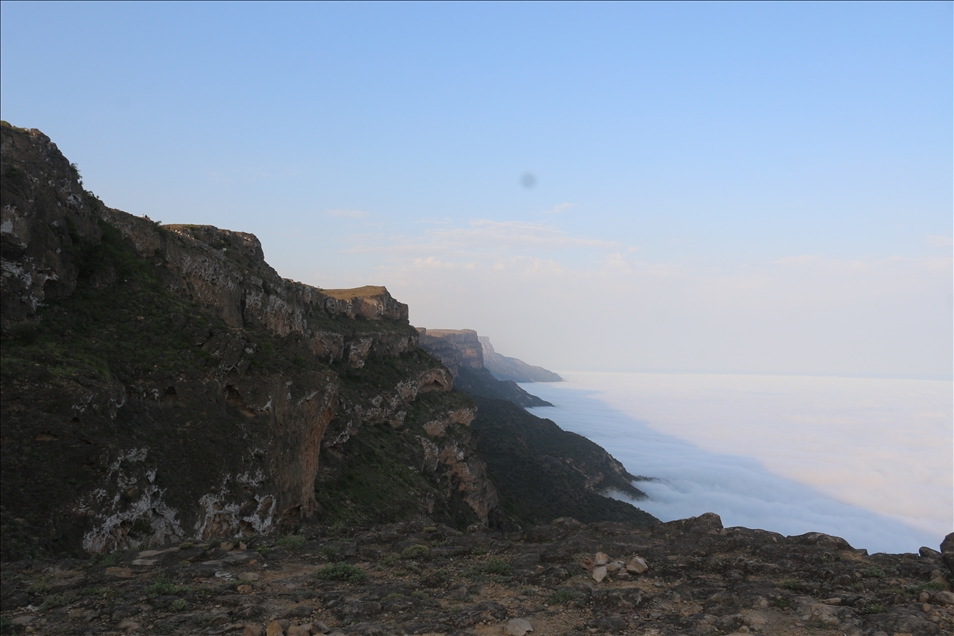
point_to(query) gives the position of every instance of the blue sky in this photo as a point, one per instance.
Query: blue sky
(718, 187)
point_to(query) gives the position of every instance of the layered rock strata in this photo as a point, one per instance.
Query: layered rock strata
(165, 383)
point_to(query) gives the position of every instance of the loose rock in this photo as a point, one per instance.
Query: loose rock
(517, 627)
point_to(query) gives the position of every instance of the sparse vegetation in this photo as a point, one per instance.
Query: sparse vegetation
(416, 552)
(292, 542)
(341, 572)
(563, 597)
(58, 600)
(165, 587)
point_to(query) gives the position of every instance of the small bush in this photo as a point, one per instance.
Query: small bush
(341, 572)
(292, 542)
(934, 586)
(563, 597)
(874, 572)
(497, 566)
(57, 600)
(108, 560)
(873, 608)
(416, 552)
(179, 604)
(330, 551)
(165, 587)
(39, 587)
(185, 545)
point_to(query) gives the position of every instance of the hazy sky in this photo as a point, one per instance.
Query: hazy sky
(701, 187)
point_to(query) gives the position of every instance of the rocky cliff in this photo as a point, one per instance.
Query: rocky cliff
(507, 368)
(461, 351)
(163, 383)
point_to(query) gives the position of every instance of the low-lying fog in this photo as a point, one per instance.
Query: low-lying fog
(869, 460)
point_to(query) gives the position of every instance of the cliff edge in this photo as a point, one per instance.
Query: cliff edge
(164, 383)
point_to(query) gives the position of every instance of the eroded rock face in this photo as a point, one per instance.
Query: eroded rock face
(44, 212)
(165, 383)
(455, 348)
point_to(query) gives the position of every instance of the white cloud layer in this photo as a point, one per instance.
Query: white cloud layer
(869, 460)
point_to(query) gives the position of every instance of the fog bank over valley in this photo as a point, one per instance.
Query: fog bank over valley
(865, 459)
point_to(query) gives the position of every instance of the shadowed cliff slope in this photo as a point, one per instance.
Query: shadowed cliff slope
(163, 382)
(507, 368)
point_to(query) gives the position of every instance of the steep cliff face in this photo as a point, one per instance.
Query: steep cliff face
(163, 382)
(461, 351)
(507, 368)
(46, 213)
(455, 348)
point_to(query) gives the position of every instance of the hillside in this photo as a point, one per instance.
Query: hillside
(164, 384)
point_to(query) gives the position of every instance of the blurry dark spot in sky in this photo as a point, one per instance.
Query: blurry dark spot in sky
(528, 180)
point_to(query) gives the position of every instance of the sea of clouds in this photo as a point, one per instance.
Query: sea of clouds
(869, 460)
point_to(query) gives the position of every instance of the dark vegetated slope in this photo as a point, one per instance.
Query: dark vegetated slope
(543, 472)
(384, 474)
(133, 414)
(481, 382)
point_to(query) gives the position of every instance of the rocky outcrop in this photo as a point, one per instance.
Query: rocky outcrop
(44, 214)
(460, 350)
(506, 368)
(690, 577)
(226, 272)
(163, 383)
(455, 348)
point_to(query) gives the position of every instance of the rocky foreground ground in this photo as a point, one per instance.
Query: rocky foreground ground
(415, 578)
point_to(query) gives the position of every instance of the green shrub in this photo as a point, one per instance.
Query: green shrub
(341, 572)
(57, 600)
(935, 586)
(874, 572)
(179, 604)
(292, 542)
(496, 566)
(165, 587)
(563, 597)
(416, 552)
